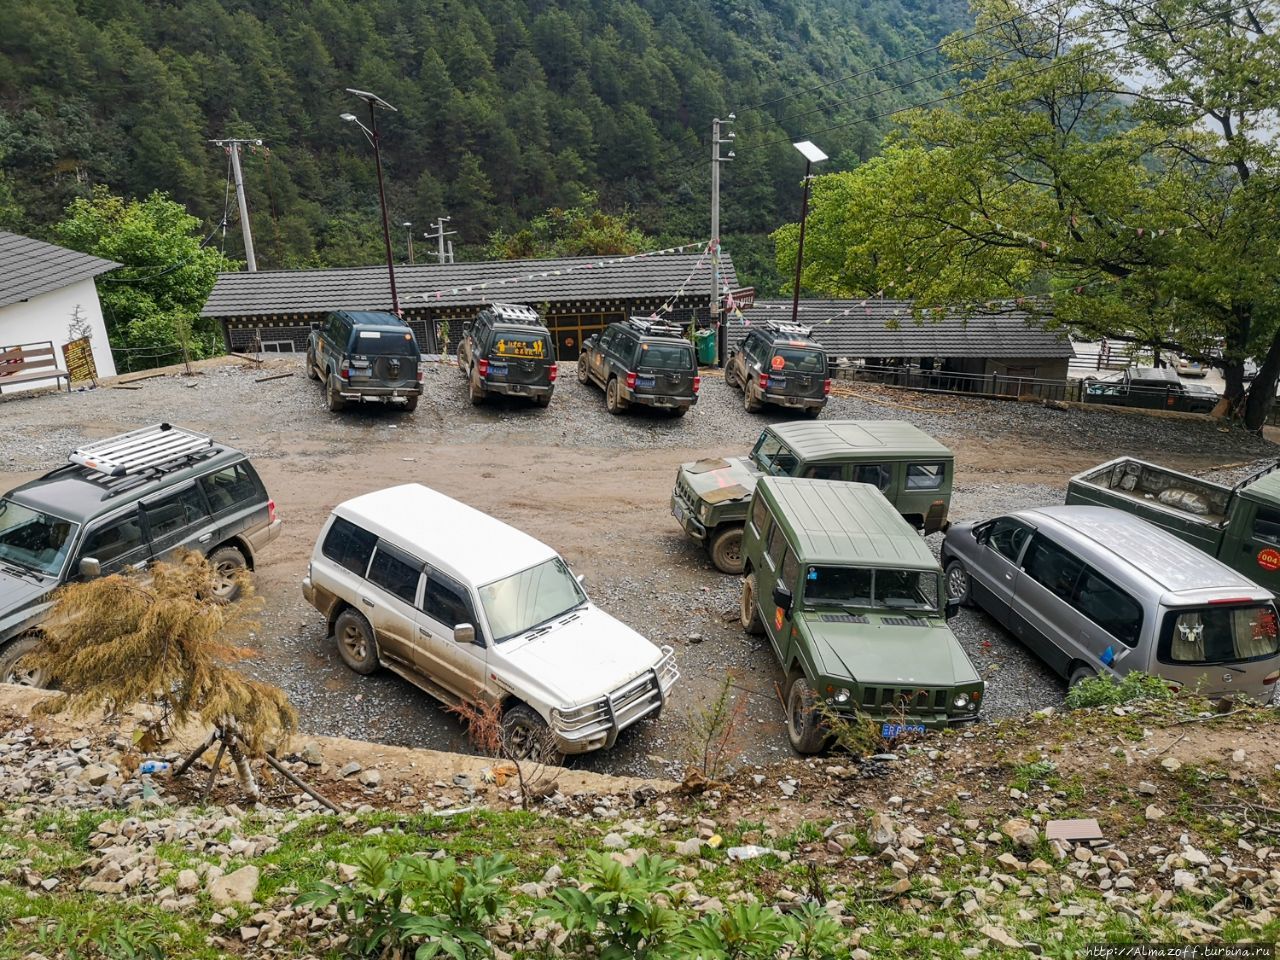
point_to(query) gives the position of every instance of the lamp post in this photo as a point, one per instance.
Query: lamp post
(375, 103)
(811, 155)
(408, 232)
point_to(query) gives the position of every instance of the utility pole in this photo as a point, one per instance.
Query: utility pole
(408, 232)
(438, 236)
(232, 147)
(716, 160)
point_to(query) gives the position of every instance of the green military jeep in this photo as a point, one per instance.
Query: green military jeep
(854, 608)
(913, 470)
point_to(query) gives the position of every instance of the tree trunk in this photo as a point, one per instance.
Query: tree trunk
(1262, 394)
(1233, 376)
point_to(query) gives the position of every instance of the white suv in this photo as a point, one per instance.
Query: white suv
(469, 608)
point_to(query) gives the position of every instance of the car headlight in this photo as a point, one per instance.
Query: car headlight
(842, 695)
(961, 701)
(705, 512)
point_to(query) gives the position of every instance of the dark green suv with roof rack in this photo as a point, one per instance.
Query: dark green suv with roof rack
(911, 469)
(365, 356)
(853, 604)
(507, 349)
(780, 364)
(118, 505)
(645, 362)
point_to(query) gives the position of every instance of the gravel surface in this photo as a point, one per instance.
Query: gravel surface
(595, 487)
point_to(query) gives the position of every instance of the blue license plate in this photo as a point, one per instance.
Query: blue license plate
(645, 381)
(891, 731)
(778, 382)
(678, 512)
(497, 369)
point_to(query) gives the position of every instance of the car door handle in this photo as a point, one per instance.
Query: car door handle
(1008, 576)
(366, 601)
(206, 538)
(425, 634)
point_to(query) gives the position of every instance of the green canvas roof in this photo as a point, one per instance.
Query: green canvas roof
(830, 521)
(835, 439)
(1263, 490)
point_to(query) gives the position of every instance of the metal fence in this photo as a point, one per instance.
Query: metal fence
(969, 384)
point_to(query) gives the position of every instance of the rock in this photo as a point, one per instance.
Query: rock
(1040, 866)
(311, 755)
(1010, 862)
(347, 873)
(881, 833)
(1171, 764)
(1147, 788)
(188, 881)
(371, 778)
(614, 841)
(554, 873)
(249, 934)
(1184, 879)
(350, 769)
(237, 887)
(1021, 833)
(1001, 936)
(910, 837)
(1153, 813)
(788, 788)
(1195, 857)
(900, 886)
(80, 743)
(885, 757)
(690, 847)
(1237, 756)
(95, 774)
(48, 883)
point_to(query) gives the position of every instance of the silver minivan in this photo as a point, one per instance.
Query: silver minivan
(1093, 590)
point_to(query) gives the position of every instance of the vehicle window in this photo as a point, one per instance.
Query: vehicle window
(759, 515)
(607, 338)
(798, 360)
(1052, 567)
(230, 487)
(114, 540)
(860, 587)
(775, 457)
(381, 343)
(1109, 607)
(925, 476)
(1266, 525)
(790, 569)
(447, 601)
(825, 471)
(1008, 537)
(1220, 634)
(175, 512)
(32, 539)
(394, 575)
(777, 543)
(666, 356)
(522, 346)
(522, 601)
(349, 545)
(876, 474)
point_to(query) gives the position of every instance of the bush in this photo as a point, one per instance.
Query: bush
(1106, 691)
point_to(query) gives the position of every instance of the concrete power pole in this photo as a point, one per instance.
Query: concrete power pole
(716, 160)
(438, 236)
(233, 148)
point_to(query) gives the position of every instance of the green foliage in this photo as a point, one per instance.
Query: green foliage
(580, 231)
(748, 931)
(713, 731)
(1105, 690)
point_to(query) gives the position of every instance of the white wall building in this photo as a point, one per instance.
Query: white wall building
(41, 285)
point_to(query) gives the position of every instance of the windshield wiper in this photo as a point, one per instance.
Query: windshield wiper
(24, 569)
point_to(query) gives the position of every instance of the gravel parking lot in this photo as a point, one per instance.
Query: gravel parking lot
(595, 487)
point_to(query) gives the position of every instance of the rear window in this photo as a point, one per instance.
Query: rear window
(798, 360)
(1220, 634)
(230, 486)
(383, 343)
(349, 546)
(925, 476)
(521, 346)
(665, 356)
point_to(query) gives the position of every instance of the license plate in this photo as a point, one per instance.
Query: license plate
(645, 381)
(778, 382)
(678, 512)
(891, 731)
(497, 369)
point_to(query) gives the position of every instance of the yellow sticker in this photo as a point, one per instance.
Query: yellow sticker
(521, 348)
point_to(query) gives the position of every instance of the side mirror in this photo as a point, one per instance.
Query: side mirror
(90, 568)
(782, 596)
(951, 609)
(582, 579)
(464, 633)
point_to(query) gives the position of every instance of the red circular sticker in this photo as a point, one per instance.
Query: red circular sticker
(778, 363)
(1269, 559)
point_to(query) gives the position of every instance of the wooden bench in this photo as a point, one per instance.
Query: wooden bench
(28, 362)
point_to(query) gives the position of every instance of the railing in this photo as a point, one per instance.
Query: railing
(970, 384)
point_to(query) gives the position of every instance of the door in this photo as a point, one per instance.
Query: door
(178, 519)
(117, 543)
(458, 667)
(1251, 542)
(1044, 616)
(388, 599)
(776, 620)
(996, 571)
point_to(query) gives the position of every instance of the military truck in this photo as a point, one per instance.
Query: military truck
(913, 470)
(853, 605)
(1240, 524)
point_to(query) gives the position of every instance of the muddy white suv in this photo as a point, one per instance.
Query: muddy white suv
(470, 609)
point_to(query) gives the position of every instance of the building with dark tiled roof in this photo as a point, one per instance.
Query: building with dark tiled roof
(576, 296)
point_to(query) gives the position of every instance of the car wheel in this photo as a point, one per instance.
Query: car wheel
(749, 402)
(584, 371)
(228, 563)
(12, 670)
(411, 404)
(462, 363)
(748, 610)
(1079, 674)
(731, 378)
(726, 550)
(813, 413)
(332, 397)
(311, 367)
(804, 721)
(475, 392)
(959, 585)
(679, 411)
(613, 401)
(528, 737)
(542, 401)
(356, 644)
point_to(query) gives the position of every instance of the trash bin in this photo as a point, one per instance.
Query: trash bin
(705, 342)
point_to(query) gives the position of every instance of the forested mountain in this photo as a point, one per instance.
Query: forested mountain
(505, 108)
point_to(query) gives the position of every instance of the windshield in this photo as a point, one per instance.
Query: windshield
(384, 343)
(665, 356)
(1220, 634)
(774, 456)
(522, 346)
(798, 360)
(33, 540)
(863, 587)
(530, 598)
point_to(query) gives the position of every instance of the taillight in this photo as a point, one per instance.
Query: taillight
(421, 375)
(551, 378)
(631, 381)
(484, 368)
(1271, 678)
(697, 382)
(826, 388)
(1169, 401)
(345, 373)
(271, 511)
(764, 380)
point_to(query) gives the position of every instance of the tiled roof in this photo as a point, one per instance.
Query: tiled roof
(29, 267)
(887, 328)
(365, 288)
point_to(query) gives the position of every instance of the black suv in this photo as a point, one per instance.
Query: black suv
(507, 349)
(365, 356)
(121, 503)
(780, 363)
(642, 361)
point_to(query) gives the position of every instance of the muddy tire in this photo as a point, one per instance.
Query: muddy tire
(528, 737)
(725, 548)
(1078, 675)
(679, 412)
(312, 373)
(333, 401)
(748, 609)
(475, 392)
(356, 644)
(12, 669)
(228, 563)
(542, 401)
(959, 584)
(584, 371)
(813, 413)
(613, 401)
(750, 403)
(731, 378)
(804, 721)
(411, 404)
(462, 364)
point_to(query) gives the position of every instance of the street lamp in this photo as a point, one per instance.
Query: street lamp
(408, 232)
(811, 155)
(375, 103)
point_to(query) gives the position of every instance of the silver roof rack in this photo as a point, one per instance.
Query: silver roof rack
(792, 329)
(145, 449)
(658, 328)
(515, 313)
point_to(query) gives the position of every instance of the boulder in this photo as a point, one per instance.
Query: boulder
(237, 887)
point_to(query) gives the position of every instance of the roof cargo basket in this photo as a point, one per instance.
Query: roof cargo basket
(656, 327)
(514, 313)
(149, 448)
(790, 329)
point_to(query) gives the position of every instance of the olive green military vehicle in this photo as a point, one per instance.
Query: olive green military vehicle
(909, 467)
(853, 604)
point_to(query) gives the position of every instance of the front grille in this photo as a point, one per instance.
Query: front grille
(684, 491)
(911, 699)
(635, 699)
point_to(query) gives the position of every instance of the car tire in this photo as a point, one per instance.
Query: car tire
(312, 373)
(475, 392)
(411, 404)
(332, 397)
(959, 583)
(748, 609)
(527, 736)
(731, 378)
(813, 413)
(725, 547)
(462, 364)
(584, 371)
(356, 643)
(679, 412)
(227, 563)
(750, 403)
(1078, 674)
(542, 401)
(11, 670)
(613, 400)
(804, 723)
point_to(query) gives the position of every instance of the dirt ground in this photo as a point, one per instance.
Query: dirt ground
(597, 489)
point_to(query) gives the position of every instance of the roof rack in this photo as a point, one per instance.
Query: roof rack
(656, 327)
(791, 329)
(149, 448)
(515, 313)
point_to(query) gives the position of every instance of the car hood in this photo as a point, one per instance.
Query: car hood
(582, 658)
(889, 654)
(20, 601)
(721, 479)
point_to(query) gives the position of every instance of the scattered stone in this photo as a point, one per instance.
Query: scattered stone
(1153, 813)
(350, 769)
(882, 832)
(1171, 764)
(237, 887)
(1147, 788)
(188, 881)
(1001, 936)
(347, 873)
(95, 774)
(1238, 756)
(1195, 857)
(1021, 833)
(371, 778)
(614, 841)
(311, 755)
